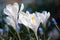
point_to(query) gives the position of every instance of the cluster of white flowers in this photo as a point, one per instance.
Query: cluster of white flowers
(31, 21)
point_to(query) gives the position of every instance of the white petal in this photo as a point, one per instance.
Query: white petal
(16, 8)
(27, 12)
(13, 9)
(48, 14)
(22, 7)
(10, 21)
(7, 12)
(9, 8)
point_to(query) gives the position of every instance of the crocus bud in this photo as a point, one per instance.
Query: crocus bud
(19, 27)
(1, 31)
(6, 28)
(54, 21)
(49, 23)
(40, 31)
(54, 34)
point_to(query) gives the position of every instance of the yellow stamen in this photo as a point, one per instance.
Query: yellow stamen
(24, 14)
(32, 19)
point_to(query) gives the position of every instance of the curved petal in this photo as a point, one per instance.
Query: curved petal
(8, 7)
(7, 12)
(22, 7)
(16, 8)
(13, 9)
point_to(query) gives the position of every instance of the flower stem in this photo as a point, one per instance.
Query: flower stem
(13, 35)
(45, 34)
(18, 34)
(57, 27)
(36, 35)
(29, 34)
(17, 31)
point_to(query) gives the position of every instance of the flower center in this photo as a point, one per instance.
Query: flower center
(24, 14)
(32, 19)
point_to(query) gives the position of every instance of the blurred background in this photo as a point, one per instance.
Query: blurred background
(53, 6)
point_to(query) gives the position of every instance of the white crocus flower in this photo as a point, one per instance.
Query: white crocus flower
(12, 11)
(30, 21)
(23, 19)
(44, 16)
(34, 23)
(22, 16)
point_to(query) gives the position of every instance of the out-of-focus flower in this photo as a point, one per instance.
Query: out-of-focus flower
(1, 31)
(43, 17)
(49, 23)
(54, 21)
(19, 27)
(40, 31)
(6, 28)
(12, 11)
(54, 34)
